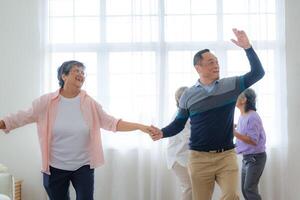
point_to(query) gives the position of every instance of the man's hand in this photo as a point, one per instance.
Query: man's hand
(242, 39)
(156, 133)
(2, 124)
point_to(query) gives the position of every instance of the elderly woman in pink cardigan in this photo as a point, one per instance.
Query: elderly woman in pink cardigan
(68, 124)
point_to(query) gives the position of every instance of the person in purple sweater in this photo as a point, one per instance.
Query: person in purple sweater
(251, 143)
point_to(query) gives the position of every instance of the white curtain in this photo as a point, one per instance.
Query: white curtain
(138, 52)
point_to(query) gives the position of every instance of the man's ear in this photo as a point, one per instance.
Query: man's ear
(63, 77)
(197, 68)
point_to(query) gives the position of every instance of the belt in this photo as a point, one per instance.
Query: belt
(219, 150)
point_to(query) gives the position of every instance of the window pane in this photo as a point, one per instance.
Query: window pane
(145, 29)
(129, 7)
(233, 6)
(87, 29)
(265, 6)
(61, 30)
(266, 105)
(133, 62)
(204, 28)
(133, 29)
(116, 59)
(61, 7)
(89, 59)
(132, 77)
(130, 82)
(180, 62)
(258, 27)
(145, 7)
(118, 7)
(178, 28)
(119, 29)
(181, 72)
(264, 29)
(177, 7)
(267, 84)
(91, 85)
(120, 84)
(249, 6)
(203, 6)
(234, 21)
(177, 80)
(267, 59)
(237, 62)
(57, 60)
(272, 130)
(87, 7)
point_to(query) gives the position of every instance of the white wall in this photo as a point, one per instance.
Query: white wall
(19, 85)
(293, 97)
(20, 70)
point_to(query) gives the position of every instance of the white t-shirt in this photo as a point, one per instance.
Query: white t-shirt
(70, 136)
(178, 147)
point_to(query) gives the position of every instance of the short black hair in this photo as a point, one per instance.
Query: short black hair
(65, 68)
(198, 56)
(250, 95)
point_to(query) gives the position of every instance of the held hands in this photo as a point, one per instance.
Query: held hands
(241, 39)
(154, 132)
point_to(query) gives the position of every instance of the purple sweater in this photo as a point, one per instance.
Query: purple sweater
(251, 126)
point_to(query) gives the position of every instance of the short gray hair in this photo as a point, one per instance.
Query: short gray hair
(65, 68)
(179, 93)
(250, 96)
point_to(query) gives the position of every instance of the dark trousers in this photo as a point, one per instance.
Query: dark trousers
(57, 184)
(253, 167)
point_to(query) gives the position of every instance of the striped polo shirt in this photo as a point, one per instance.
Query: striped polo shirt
(211, 112)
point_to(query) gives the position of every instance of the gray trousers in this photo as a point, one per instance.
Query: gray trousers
(252, 169)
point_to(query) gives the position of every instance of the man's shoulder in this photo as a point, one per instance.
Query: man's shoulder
(191, 89)
(190, 92)
(229, 80)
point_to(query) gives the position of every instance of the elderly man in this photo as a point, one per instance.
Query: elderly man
(210, 105)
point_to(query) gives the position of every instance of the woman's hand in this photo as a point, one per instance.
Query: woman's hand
(131, 126)
(145, 129)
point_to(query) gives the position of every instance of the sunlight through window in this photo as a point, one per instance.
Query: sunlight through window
(138, 52)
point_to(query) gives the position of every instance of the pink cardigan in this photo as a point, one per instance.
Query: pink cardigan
(43, 113)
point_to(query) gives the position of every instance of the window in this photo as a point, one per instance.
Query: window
(138, 52)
